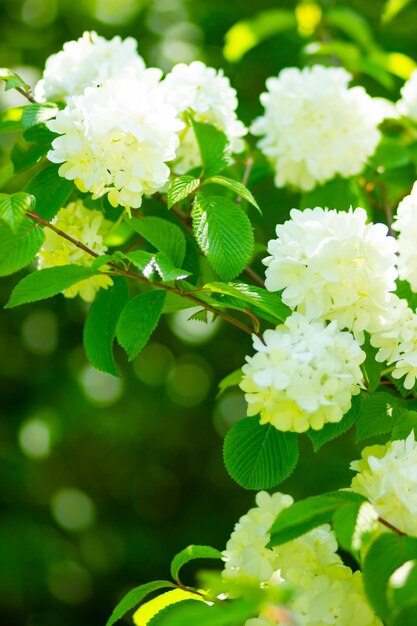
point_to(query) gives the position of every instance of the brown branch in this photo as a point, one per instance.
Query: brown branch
(246, 174)
(394, 529)
(26, 94)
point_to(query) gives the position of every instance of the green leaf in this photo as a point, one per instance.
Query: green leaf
(100, 325)
(180, 188)
(355, 525)
(18, 249)
(340, 193)
(402, 593)
(163, 235)
(385, 555)
(13, 208)
(332, 430)
(231, 380)
(50, 190)
(235, 186)
(12, 80)
(34, 114)
(375, 416)
(134, 596)
(259, 457)
(245, 35)
(214, 148)
(24, 154)
(389, 154)
(11, 120)
(138, 320)
(46, 283)
(392, 8)
(404, 422)
(196, 613)
(352, 24)
(259, 299)
(303, 516)
(190, 554)
(224, 234)
(372, 370)
(150, 264)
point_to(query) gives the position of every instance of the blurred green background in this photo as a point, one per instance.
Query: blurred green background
(102, 480)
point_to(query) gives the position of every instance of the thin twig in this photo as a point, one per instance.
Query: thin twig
(246, 174)
(26, 94)
(394, 529)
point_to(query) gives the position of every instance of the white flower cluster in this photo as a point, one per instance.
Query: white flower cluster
(315, 126)
(326, 591)
(387, 476)
(332, 265)
(303, 374)
(407, 104)
(405, 223)
(82, 224)
(116, 139)
(88, 61)
(203, 94)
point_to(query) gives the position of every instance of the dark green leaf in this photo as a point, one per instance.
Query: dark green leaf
(224, 234)
(138, 320)
(13, 208)
(18, 249)
(402, 593)
(47, 283)
(371, 368)
(404, 422)
(303, 516)
(134, 596)
(259, 457)
(180, 188)
(100, 325)
(214, 148)
(355, 524)
(375, 415)
(163, 235)
(331, 431)
(338, 193)
(190, 554)
(235, 186)
(50, 190)
(353, 24)
(24, 154)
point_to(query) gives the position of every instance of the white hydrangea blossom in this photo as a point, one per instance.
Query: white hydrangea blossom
(387, 476)
(405, 223)
(326, 591)
(82, 224)
(315, 126)
(302, 375)
(333, 265)
(407, 104)
(205, 95)
(247, 556)
(116, 139)
(89, 61)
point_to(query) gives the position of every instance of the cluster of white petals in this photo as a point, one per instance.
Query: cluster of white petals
(303, 374)
(387, 476)
(407, 104)
(117, 139)
(326, 591)
(203, 94)
(315, 126)
(88, 61)
(405, 223)
(332, 265)
(87, 226)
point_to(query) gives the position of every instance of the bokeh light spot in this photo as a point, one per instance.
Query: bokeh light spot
(35, 438)
(73, 509)
(100, 388)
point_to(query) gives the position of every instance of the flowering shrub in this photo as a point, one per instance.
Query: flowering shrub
(141, 205)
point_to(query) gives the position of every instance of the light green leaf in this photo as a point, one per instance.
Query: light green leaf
(332, 430)
(338, 193)
(34, 114)
(138, 320)
(11, 120)
(100, 325)
(214, 148)
(259, 457)
(197, 613)
(190, 554)
(352, 24)
(160, 264)
(12, 80)
(257, 298)
(13, 208)
(235, 186)
(355, 526)
(134, 596)
(180, 188)
(392, 8)
(163, 235)
(224, 234)
(231, 380)
(18, 249)
(307, 514)
(50, 190)
(46, 283)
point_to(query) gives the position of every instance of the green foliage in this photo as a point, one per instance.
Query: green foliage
(193, 612)
(224, 234)
(231, 380)
(18, 249)
(307, 514)
(13, 208)
(262, 302)
(34, 114)
(214, 148)
(12, 80)
(234, 185)
(163, 235)
(330, 431)
(372, 370)
(375, 416)
(134, 596)
(138, 320)
(47, 283)
(259, 457)
(402, 594)
(180, 188)
(156, 265)
(100, 325)
(25, 154)
(192, 553)
(355, 525)
(50, 190)
(11, 120)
